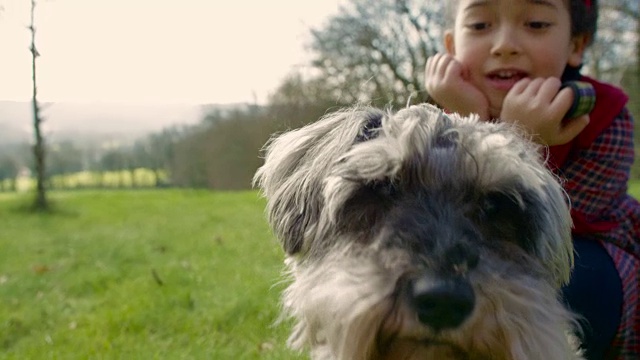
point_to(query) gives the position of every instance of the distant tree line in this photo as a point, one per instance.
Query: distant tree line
(369, 53)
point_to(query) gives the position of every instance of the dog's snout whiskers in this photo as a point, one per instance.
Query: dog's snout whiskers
(442, 304)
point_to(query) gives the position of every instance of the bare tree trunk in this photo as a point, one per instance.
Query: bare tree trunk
(132, 175)
(40, 203)
(156, 177)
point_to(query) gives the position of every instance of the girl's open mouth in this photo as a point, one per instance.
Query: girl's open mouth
(505, 79)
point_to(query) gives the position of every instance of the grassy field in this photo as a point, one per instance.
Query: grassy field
(166, 274)
(634, 189)
(146, 274)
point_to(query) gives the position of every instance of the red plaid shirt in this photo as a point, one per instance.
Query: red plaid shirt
(596, 167)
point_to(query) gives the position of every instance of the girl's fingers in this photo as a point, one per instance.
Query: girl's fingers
(571, 129)
(562, 102)
(442, 64)
(549, 89)
(453, 69)
(533, 88)
(429, 67)
(520, 86)
(434, 66)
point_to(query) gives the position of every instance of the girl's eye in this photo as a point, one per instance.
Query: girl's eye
(538, 25)
(478, 26)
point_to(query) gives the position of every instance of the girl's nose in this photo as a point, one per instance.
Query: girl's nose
(506, 42)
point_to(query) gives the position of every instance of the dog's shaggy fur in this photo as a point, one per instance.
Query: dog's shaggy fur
(420, 235)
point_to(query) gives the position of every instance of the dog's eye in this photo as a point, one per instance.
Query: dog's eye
(507, 217)
(363, 212)
(384, 188)
(499, 204)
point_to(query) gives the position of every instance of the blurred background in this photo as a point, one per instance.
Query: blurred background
(190, 90)
(157, 111)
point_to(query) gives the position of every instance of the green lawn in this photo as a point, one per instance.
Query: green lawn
(157, 274)
(634, 189)
(166, 274)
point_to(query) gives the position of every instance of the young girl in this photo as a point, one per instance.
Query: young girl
(507, 60)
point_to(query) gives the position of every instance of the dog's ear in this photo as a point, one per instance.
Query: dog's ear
(296, 165)
(554, 243)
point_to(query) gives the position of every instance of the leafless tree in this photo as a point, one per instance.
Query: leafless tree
(41, 203)
(375, 52)
(615, 52)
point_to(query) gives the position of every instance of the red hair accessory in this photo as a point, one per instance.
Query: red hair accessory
(588, 3)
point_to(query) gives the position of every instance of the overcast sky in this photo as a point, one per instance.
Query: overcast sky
(195, 51)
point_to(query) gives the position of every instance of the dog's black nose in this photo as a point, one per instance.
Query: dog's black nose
(442, 304)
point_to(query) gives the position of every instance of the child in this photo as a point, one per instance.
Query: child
(506, 60)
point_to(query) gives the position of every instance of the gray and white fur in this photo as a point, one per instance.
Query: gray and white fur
(420, 235)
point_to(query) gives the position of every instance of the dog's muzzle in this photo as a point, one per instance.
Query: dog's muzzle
(443, 304)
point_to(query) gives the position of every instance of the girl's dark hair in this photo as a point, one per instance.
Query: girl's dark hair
(584, 18)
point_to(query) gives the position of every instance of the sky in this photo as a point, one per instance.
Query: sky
(156, 51)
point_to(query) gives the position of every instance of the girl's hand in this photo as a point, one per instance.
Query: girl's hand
(540, 106)
(447, 82)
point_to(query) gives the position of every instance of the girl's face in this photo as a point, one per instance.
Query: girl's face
(500, 42)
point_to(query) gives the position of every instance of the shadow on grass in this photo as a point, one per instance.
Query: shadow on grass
(26, 205)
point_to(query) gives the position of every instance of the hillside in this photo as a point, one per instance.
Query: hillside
(88, 121)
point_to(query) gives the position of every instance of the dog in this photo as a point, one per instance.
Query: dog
(420, 235)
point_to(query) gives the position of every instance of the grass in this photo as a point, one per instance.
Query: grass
(146, 274)
(157, 274)
(634, 189)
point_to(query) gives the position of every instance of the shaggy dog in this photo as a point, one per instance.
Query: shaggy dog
(420, 235)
